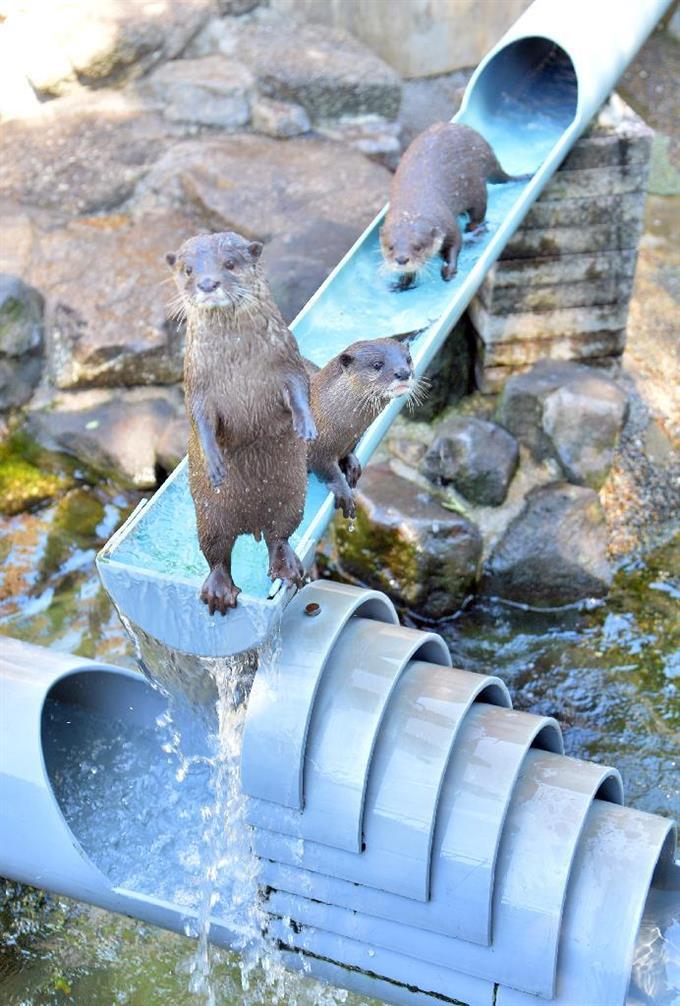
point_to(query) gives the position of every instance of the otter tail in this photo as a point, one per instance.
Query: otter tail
(497, 175)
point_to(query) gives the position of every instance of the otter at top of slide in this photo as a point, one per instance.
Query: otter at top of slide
(442, 174)
(247, 397)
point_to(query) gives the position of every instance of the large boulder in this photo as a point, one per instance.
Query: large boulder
(80, 154)
(554, 552)
(407, 544)
(110, 317)
(65, 42)
(21, 340)
(121, 434)
(307, 199)
(325, 70)
(569, 412)
(479, 458)
(213, 91)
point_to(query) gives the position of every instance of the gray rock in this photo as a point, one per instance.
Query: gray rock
(21, 340)
(212, 91)
(234, 8)
(373, 135)
(307, 199)
(583, 423)
(108, 316)
(80, 154)
(114, 433)
(173, 443)
(323, 69)
(430, 99)
(103, 43)
(407, 544)
(279, 119)
(21, 317)
(477, 457)
(569, 412)
(554, 552)
(18, 378)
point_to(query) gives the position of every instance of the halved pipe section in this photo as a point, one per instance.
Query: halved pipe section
(280, 707)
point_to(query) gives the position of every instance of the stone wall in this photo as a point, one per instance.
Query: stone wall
(419, 38)
(562, 286)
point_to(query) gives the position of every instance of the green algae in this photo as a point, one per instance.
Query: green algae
(23, 483)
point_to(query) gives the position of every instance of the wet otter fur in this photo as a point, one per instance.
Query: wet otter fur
(247, 397)
(442, 174)
(346, 396)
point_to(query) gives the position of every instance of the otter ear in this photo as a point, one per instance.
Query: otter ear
(345, 360)
(409, 337)
(171, 258)
(255, 249)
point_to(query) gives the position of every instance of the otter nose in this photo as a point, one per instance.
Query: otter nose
(403, 374)
(402, 260)
(208, 285)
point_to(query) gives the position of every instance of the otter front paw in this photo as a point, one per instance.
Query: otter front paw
(305, 427)
(219, 591)
(345, 501)
(448, 272)
(217, 470)
(351, 466)
(405, 281)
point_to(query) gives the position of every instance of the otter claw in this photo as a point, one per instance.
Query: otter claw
(217, 472)
(285, 565)
(351, 466)
(448, 272)
(346, 503)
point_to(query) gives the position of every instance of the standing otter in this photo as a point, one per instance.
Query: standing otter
(347, 395)
(442, 174)
(247, 394)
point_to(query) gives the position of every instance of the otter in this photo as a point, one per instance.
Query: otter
(442, 174)
(247, 396)
(346, 396)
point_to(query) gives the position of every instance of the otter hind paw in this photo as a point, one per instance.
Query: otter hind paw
(285, 565)
(219, 591)
(448, 272)
(345, 501)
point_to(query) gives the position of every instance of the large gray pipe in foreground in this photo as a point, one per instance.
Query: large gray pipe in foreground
(429, 843)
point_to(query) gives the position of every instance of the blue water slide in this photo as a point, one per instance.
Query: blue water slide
(531, 98)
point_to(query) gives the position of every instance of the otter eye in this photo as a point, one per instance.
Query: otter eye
(378, 365)
(417, 248)
(229, 264)
(188, 270)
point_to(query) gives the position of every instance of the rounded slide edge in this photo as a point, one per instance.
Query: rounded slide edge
(362, 671)
(284, 691)
(398, 833)
(620, 852)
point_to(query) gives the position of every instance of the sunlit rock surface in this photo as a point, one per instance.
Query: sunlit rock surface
(478, 457)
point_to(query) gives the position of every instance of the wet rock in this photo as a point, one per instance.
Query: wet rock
(108, 321)
(21, 340)
(307, 199)
(80, 154)
(21, 317)
(173, 443)
(554, 552)
(373, 135)
(112, 433)
(279, 119)
(212, 91)
(66, 41)
(405, 543)
(569, 412)
(23, 482)
(479, 458)
(323, 69)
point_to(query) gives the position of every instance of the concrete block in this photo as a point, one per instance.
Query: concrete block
(547, 325)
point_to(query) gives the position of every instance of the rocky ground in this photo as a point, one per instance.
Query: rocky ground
(118, 142)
